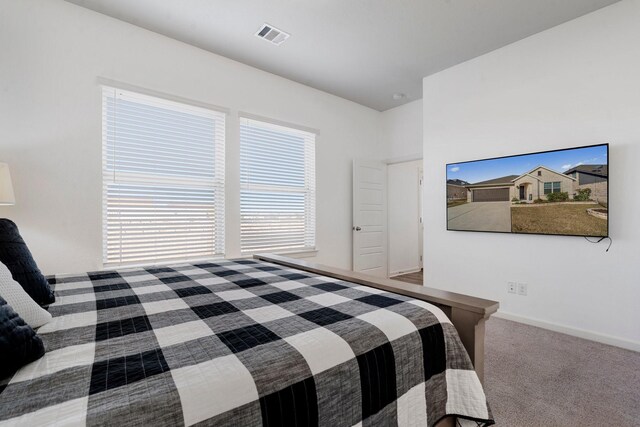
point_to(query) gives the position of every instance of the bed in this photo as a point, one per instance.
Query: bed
(243, 342)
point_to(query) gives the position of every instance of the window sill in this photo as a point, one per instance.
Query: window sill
(179, 261)
(298, 253)
(304, 253)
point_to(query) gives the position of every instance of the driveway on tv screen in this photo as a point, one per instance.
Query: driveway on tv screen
(480, 216)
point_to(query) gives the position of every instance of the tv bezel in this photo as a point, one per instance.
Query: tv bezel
(529, 154)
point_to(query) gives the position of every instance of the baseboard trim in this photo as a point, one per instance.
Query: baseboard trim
(576, 332)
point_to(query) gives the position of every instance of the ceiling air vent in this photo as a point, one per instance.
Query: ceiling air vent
(272, 34)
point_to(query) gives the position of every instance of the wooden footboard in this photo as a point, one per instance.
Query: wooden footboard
(468, 314)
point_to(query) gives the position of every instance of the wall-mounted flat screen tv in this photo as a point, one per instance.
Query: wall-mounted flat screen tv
(562, 192)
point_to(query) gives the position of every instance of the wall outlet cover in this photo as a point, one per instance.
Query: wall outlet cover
(522, 289)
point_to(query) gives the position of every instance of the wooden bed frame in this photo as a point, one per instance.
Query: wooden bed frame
(467, 313)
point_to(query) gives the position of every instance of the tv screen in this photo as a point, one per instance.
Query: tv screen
(562, 192)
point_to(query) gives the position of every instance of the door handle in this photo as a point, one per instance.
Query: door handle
(357, 228)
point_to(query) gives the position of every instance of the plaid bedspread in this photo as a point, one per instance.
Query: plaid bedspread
(242, 343)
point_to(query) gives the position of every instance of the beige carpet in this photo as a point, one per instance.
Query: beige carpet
(416, 278)
(536, 377)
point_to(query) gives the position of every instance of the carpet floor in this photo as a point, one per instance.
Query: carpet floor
(416, 278)
(536, 377)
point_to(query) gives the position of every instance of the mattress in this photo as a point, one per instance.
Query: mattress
(241, 342)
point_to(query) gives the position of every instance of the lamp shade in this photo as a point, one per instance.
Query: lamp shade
(6, 188)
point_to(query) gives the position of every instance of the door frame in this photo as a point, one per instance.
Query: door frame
(419, 214)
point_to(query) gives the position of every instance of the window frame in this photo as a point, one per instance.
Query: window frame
(309, 189)
(554, 187)
(216, 184)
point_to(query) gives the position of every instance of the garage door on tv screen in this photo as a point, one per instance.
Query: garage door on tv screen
(563, 192)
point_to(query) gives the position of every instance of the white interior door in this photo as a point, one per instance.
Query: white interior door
(370, 217)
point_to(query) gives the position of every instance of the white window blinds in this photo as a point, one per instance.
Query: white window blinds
(278, 188)
(163, 179)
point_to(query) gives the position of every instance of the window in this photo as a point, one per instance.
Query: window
(539, 173)
(277, 188)
(552, 187)
(163, 180)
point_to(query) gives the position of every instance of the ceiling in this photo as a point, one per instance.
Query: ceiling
(362, 50)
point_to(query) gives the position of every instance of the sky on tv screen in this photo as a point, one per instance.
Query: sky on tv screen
(559, 161)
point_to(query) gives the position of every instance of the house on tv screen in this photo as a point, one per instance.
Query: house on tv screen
(540, 183)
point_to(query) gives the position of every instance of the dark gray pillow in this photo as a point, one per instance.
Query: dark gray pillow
(15, 254)
(19, 343)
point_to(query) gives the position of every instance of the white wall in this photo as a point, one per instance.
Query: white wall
(575, 84)
(50, 124)
(402, 132)
(404, 217)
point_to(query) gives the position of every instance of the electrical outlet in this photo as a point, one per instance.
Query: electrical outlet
(511, 287)
(522, 289)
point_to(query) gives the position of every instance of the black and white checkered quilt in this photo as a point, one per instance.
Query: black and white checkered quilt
(242, 343)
